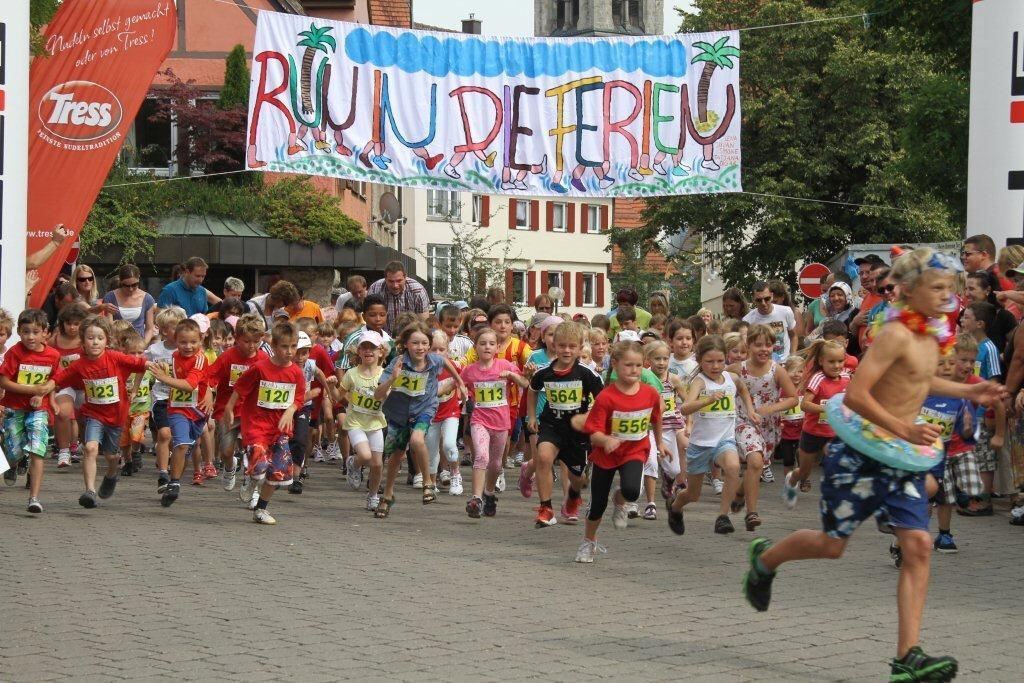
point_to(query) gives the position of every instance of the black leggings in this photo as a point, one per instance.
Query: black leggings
(630, 480)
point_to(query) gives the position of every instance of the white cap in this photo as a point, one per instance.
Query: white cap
(628, 335)
(304, 341)
(370, 337)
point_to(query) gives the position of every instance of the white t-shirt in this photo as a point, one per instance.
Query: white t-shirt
(159, 353)
(781, 321)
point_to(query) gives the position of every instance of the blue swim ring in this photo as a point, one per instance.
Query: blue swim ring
(877, 443)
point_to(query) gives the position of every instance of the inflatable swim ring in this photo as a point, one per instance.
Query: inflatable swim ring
(877, 443)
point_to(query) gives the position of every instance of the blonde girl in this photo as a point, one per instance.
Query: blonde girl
(673, 428)
(793, 418)
(711, 399)
(364, 420)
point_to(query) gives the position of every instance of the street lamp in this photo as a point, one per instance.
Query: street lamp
(556, 294)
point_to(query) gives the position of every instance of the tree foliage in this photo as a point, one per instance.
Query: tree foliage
(40, 13)
(235, 92)
(868, 111)
(680, 280)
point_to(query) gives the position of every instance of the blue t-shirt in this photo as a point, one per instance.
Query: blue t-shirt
(541, 360)
(987, 364)
(414, 395)
(177, 294)
(947, 413)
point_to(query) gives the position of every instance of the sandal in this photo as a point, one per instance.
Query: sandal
(737, 504)
(805, 486)
(752, 521)
(428, 495)
(384, 508)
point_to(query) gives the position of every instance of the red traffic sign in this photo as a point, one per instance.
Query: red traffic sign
(809, 279)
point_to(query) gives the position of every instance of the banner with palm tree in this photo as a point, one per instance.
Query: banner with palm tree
(640, 116)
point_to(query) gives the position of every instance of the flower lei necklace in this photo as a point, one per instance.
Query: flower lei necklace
(919, 324)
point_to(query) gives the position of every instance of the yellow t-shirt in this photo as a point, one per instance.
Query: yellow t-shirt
(364, 411)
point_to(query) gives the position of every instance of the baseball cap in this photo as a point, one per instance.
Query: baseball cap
(628, 335)
(873, 259)
(549, 321)
(537, 319)
(461, 305)
(202, 321)
(303, 341)
(371, 337)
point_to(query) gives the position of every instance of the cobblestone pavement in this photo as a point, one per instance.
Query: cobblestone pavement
(199, 592)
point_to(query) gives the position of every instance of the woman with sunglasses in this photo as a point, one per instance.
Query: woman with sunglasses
(132, 303)
(84, 279)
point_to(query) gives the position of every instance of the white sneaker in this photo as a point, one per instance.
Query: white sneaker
(355, 474)
(417, 481)
(509, 464)
(717, 485)
(790, 493)
(318, 453)
(620, 519)
(500, 484)
(587, 551)
(519, 459)
(64, 459)
(228, 477)
(767, 476)
(372, 501)
(456, 488)
(245, 492)
(333, 451)
(263, 517)
(632, 510)
(255, 498)
(445, 478)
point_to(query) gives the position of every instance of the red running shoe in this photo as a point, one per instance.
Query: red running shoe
(198, 478)
(545, 517)
(209, 471)
(571, 510)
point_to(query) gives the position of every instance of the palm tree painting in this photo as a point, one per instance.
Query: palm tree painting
(714, 57)
(313, 40)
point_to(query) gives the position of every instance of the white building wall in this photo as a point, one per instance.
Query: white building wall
(535, 250)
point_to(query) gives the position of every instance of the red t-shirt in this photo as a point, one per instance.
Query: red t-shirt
(319, 355)
(448, 405)
(266, 390)
(627, 418)
(225, 371)
(851, 363)
(193, 370)
(823, 388)
(22, 366)
(69, 356)
(103, 380)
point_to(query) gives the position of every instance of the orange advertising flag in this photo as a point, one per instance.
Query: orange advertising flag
(103, 56)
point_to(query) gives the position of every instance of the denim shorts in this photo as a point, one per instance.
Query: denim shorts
(109, 438)
(699, 459)
(855, 487)
(185, 431)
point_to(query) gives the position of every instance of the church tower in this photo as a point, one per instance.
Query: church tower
(571, 18)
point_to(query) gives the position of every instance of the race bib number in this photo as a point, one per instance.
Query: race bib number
(101, 392)
(69, 359)
(275, 395)
(143, 392)
(364, 402)
(33, 375)
(564, 395)
(411, 383)
(668, 402)
(183, 398)
(235, 372)
(793, 414)
(631, 426)
(941, 420)
(722, 408)
(489, 394)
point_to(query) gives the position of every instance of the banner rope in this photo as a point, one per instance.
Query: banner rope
(182, 177)
(822, 201)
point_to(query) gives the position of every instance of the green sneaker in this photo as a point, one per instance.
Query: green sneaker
(757, 586)
(916, 666)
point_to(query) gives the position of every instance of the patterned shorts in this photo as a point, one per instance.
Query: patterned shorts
(854, 487)
(272, 463)
(963, 480)
(986, 456)
(398, 435)
(25, 431)
(135, 432)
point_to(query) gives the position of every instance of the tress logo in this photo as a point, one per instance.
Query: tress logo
(80, 111)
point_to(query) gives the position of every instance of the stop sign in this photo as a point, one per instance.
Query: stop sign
(809, 279)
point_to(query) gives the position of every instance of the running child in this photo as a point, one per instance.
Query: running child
(681, 337)
(673, 430)
(618, 423)
(141, 399)
(489, 380)
(792, 419)
(569, 390)
(826, 369)
(185, 376)
(364, 420)
(887, 393)
(26, 378)
(271, 391)
(967, 477)
(102, 374)
(160, 353)
(771, 392)
(444, 428)
(68, 342)
(711, 400)
(408, 388)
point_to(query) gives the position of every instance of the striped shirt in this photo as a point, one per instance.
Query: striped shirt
(413, 299)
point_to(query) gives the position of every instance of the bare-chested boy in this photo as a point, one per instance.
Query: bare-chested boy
(888, 390)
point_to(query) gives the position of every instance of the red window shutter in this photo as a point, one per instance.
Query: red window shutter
(508, 286)
(535, 215)
(485, 211)
(604, 217)
(550, 214)
(600, 290)
(544, 286)
(570, 224)
(511, 214)
(567, 286)
(579, 289)
(584, 217)
(531, 282)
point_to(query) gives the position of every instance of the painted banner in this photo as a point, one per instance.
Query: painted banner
(14, 34)
(103, 56)
(644, 116)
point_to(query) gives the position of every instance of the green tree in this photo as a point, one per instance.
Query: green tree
(836, 110)
(235, 92)
(40, 12)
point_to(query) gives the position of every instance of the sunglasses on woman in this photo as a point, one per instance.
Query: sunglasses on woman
(130, 285)
(88, 278)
